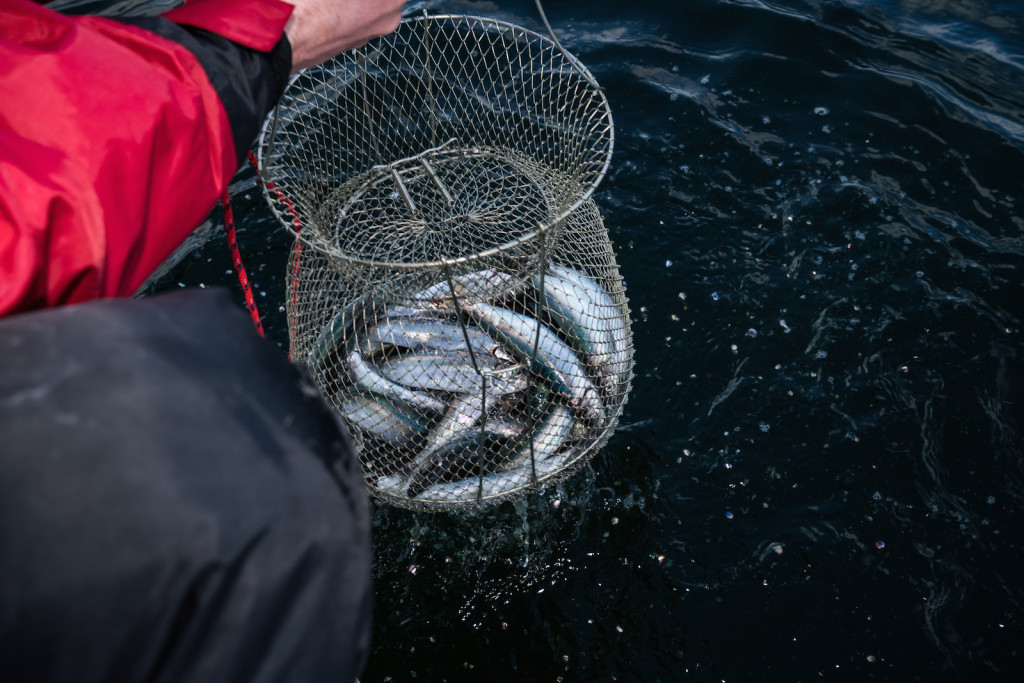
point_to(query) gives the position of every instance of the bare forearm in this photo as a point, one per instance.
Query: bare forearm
(321, 29)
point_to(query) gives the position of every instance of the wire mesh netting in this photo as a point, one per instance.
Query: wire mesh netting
(452, 289)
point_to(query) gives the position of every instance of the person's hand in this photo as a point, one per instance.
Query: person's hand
(321, 29)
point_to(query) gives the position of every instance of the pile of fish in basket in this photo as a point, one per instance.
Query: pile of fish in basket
(455, 402)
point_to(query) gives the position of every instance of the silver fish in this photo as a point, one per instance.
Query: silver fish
(451, 372)
(603, 307)
(553, 360)
(462, 419)
(344, 325)
(365, 377)
(399, 311)
(552, 439)
(486, 285)
(583, 323)
(429, 335)
(463, 455)
(553, 432)
(463, 414)
(382, 419)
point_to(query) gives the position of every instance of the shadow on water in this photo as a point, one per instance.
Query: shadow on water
(816, 206)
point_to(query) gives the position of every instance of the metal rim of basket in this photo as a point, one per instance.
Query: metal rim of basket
(269, 129)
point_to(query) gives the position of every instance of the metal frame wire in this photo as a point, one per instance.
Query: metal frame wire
(558, 118)
(454, 292)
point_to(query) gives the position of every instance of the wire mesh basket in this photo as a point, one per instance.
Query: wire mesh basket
(452, 287)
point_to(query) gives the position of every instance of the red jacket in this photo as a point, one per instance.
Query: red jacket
(118, 136)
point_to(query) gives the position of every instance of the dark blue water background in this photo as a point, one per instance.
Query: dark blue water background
(819, 476)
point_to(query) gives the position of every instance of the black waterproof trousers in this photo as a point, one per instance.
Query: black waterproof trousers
(177, 503)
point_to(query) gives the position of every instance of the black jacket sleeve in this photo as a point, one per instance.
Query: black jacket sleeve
(249, 82)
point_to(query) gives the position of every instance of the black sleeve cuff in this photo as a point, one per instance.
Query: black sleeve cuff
(249, 82)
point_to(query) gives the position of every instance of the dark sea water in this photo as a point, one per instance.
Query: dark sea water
(817, 208)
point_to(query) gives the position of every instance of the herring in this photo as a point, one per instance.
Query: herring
(552, 450)
(486, 285)
(388, 421)
(587, 327)
(551, 435)
(350, 319)
(461, 419)
(429, 335)
(462, 456)
(602, 307)
(366, 378)
(451, 372)
(553, 360)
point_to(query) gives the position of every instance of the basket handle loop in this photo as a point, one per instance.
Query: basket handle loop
(551, 32)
